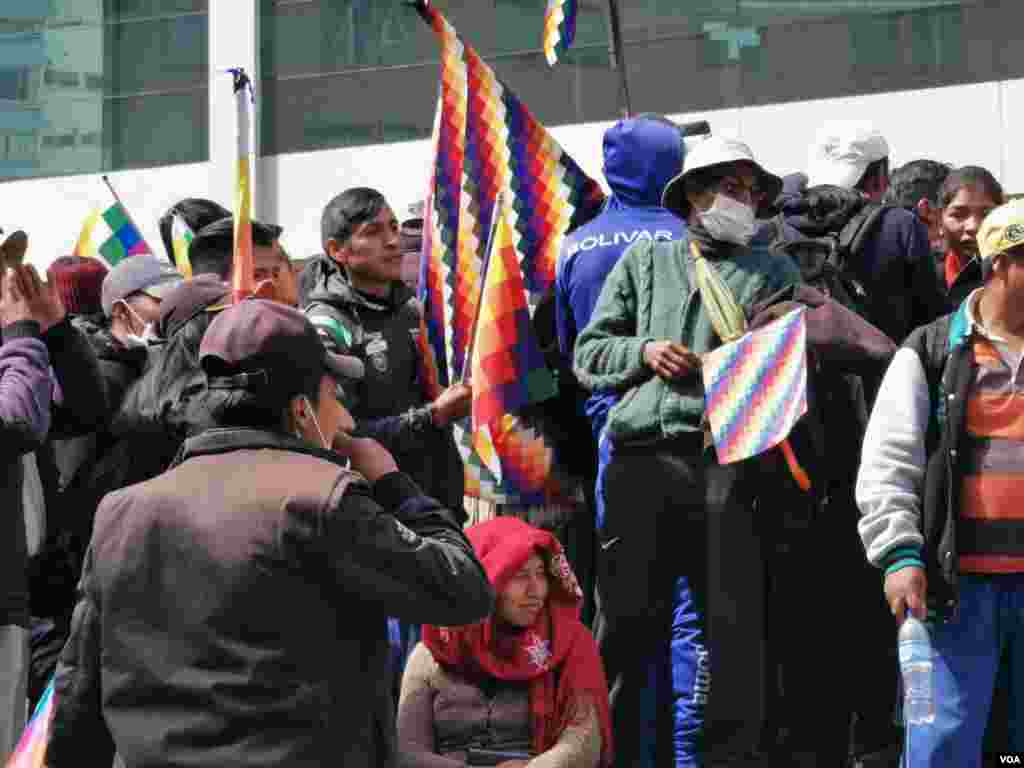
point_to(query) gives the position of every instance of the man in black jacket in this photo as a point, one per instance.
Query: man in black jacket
(234, 607)
(170, 401)
(130, 300)
(360, 306)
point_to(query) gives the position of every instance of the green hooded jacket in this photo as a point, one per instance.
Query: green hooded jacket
(651, 295)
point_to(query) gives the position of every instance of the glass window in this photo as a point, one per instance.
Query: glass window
(752, 52)
(348, 72)
(99, 85)
(325, 85)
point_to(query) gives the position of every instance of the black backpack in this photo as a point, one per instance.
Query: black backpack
(828, 262)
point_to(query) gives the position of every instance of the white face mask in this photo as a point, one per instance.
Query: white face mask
(316, 423)
(729, 220)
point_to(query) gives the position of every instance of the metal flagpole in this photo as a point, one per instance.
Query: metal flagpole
(420, 7)
(617, 54)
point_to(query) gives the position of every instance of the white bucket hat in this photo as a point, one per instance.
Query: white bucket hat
(843, 151)
(715, 150)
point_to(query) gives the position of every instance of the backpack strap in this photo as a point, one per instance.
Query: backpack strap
(861, 226)
(801, 250)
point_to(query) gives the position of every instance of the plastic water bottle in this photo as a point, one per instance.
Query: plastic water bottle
(916, 667)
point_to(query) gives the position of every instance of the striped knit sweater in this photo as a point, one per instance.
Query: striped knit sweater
(991, 531)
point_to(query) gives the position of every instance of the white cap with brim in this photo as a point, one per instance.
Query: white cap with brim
(712, 151)
(842, 153)
(138, 274)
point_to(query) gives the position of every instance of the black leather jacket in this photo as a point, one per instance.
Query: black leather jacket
(235, 610)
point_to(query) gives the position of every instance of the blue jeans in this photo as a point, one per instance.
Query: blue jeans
(967, 652)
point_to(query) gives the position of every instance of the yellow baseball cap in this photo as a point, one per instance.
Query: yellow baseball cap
(1002, 230)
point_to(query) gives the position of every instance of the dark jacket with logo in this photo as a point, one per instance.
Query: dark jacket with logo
(232, 611)
(640, 158)
(639, 161)
(382, 333)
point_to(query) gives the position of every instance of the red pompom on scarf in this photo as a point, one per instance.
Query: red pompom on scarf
(557, 656)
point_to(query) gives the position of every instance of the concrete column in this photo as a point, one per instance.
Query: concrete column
(234, 27)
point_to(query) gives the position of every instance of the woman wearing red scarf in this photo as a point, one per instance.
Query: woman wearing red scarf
(966, 198)
(524, 687)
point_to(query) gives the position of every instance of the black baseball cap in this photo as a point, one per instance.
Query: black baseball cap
(271, 350)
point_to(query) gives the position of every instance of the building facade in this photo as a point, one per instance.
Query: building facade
(346, 92)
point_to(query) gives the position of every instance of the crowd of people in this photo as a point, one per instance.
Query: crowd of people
(235, 532)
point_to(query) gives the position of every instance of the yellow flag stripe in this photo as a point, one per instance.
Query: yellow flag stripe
(86, 246)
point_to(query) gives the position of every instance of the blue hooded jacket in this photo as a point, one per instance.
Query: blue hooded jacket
(641, 156)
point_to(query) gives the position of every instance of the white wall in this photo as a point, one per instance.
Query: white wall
(972, 124)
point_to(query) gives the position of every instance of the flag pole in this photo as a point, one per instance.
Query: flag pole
(420, 6)
(117, 197)
(499, 210)
(243, 272)
(617, 54)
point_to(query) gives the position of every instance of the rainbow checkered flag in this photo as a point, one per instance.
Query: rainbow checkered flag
(486, 143)
(507, 367)
(31, 749)
(755, 388)
(559, 28)
(111, 236)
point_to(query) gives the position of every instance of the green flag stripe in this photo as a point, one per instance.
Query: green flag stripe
(113, 251)
(115, 217)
